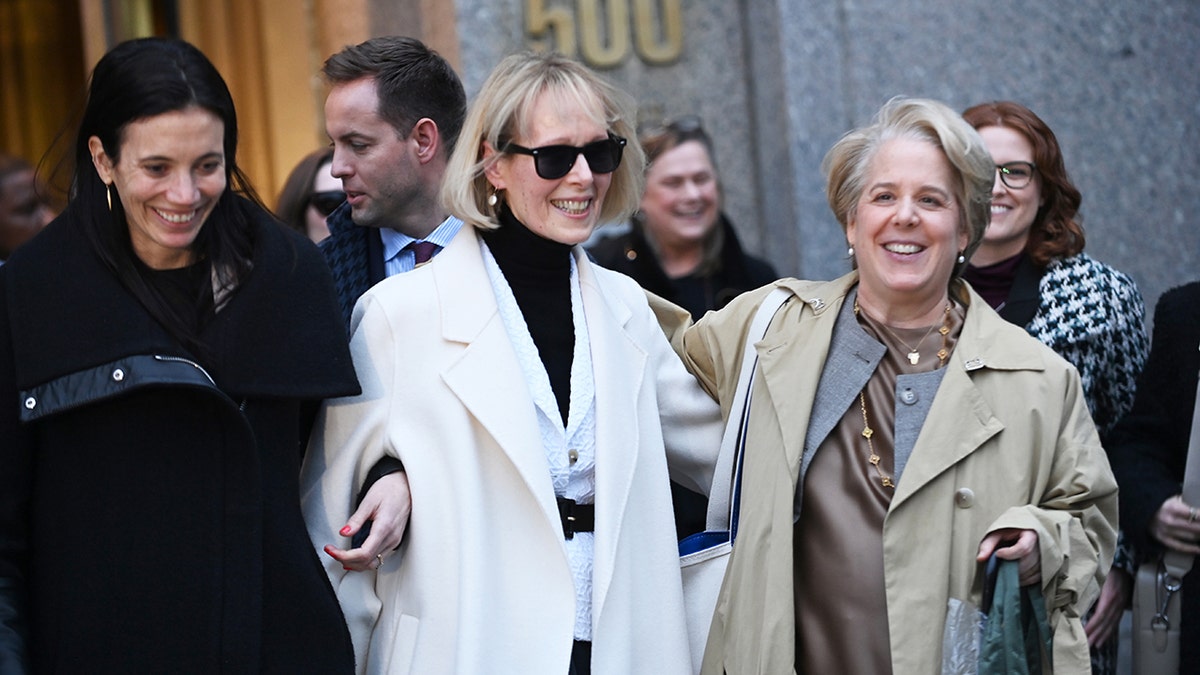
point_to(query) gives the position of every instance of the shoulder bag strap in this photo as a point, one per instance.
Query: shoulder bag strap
(1178, 563)
(719, 503)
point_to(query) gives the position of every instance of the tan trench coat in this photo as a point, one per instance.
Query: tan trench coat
(1008, 443)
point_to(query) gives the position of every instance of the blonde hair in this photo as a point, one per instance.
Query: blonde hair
(845, 165)
(501, 111)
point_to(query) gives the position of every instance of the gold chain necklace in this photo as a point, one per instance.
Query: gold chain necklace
(867, 433)
(914, 356)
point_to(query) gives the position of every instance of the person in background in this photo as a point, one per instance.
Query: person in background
(23, 210)
(533, 400)
(394, 111)
(163, 344)
(900, 431)
(1031, 268)
(682, 247)
(309, 195)
(1149, 450)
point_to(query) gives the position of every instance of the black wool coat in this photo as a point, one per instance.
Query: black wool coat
(149, 506)
(1149, 447)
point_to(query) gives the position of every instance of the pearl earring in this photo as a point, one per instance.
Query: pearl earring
(961, 259)
(850, 251)
(492, 199)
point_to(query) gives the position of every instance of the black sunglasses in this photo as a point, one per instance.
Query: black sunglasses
(326, 202)
(555, 161)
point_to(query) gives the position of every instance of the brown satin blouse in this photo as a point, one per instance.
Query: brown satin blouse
(841, 609)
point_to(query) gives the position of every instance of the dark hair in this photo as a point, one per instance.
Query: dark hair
(1056, 231)
(292, 206)
(411, 80)
(136, 80)
(674, 133)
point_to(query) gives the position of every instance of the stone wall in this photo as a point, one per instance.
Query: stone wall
(778, 81)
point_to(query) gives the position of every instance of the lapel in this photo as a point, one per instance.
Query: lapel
(853, 358)
(960, 419)
(619, 367)
(790, 366)
(486, 377)
(1025, 296)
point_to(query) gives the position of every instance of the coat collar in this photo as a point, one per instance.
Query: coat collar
(792, 365)
(278, 335)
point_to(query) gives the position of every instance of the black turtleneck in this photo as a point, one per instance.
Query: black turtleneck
(539, 272)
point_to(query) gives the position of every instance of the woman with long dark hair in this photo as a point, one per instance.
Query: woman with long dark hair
(153, 419)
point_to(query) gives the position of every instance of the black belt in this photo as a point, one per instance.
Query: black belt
(576, 517)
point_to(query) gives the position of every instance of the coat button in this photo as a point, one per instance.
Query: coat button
(573, 455)
(908, 396)
(631, 255)
(964, 498)
(31, 403)
(118, 375)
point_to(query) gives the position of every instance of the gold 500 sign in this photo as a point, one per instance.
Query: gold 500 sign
(655, 44)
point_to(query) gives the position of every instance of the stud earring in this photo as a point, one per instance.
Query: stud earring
(961, 258)
(850, 251)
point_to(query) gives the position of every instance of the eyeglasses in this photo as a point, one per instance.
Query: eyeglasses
(555, 161)
(326, 202)
(1016, 175)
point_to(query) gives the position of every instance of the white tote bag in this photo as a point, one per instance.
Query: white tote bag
(704, 556)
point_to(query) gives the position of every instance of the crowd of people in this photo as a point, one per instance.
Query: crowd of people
(407, 423)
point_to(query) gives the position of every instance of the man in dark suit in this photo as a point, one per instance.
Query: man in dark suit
(394, 111)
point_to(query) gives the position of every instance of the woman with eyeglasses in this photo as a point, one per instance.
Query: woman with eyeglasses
(1032, 269)
(532, 398)
(310, 194)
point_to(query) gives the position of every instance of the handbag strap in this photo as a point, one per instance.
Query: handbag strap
(720, 503)
(1178, 563)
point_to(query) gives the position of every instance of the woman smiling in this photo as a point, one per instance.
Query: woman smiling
(153, 420)
(900, 432)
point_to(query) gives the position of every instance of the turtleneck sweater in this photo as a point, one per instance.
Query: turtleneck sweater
(539, 272)
(993, 282)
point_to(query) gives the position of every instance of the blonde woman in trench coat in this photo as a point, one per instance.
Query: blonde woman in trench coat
(993, 450)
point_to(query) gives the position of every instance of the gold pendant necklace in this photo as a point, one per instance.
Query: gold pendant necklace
(914, 356)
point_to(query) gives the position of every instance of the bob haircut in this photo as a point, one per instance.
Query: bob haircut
(137, 80)
(1056, 231)
(501, 112)
(845, 165)
(292, 207)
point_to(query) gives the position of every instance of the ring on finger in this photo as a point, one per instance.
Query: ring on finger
(380, 558)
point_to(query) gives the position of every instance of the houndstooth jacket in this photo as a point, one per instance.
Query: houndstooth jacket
(1093, 316)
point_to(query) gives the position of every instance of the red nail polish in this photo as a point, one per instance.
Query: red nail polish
(345, 531)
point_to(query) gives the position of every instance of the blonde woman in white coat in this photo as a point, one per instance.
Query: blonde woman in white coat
(519, 384)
